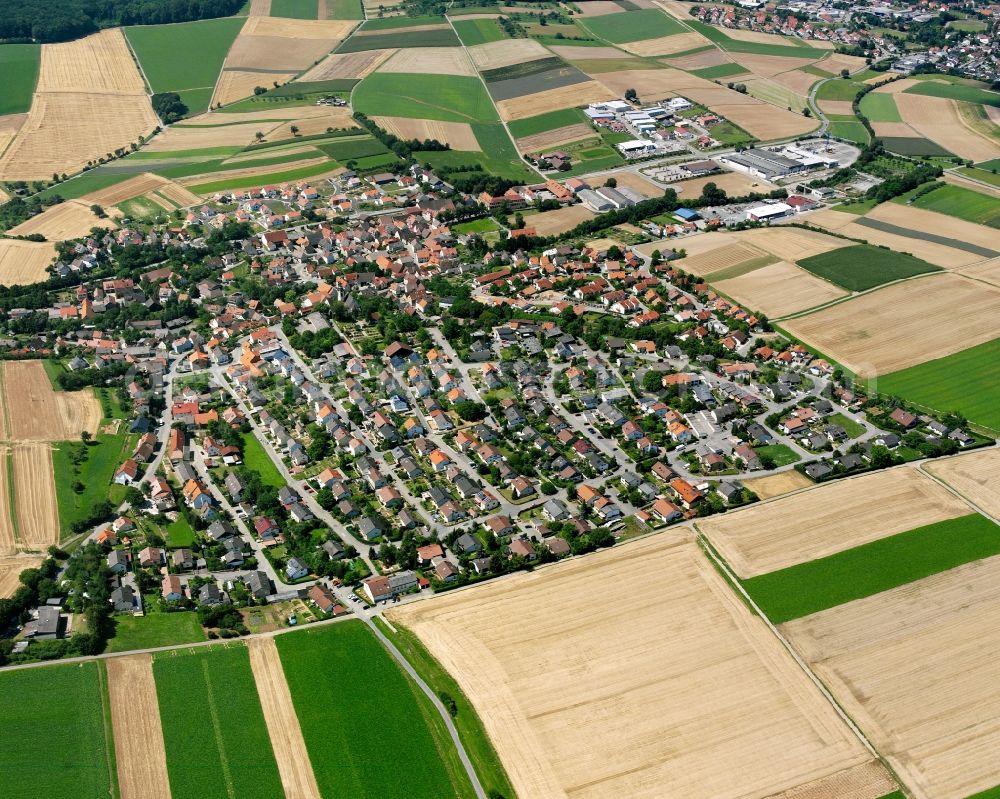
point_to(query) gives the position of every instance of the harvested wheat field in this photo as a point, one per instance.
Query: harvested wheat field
(458, 134)
(347, 65)
(260, 8)
(551, 223)
(552, 138)
(844, 107)
(299, 29)
(938, 119)
(894, 130)
(701, 60)
(769, 65)
(766, 122)
(8, 537)
(916, 668)
(97, 64)
(777, 484)
(282, 724)
(780, 289)
(599, 8)
(430, 61)
(531, 105)
(666, 45)
(638, 183)
(692, 681)
(68, 220)
(791, 244)
(796, 80)
(920, 219)
(735, 184)
(23, 262)
(235, 84)
(35, 496)
(494, 55)
(37, 413)
(135, 719)
(65, 130)
(178, 194)
(831, 219)
(975, 476)
(729, 254)
(10, 124)
(336, 118)
(829, 518)
(177, 138)
(657, 83)
(576, 53)
(903, 324)
(10, 572)
(938, 254)
(835, 62)
(987, 271)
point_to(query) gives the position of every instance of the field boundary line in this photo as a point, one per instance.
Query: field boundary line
(11, 490)
(109, 732)
(213, 713)
(720, 562)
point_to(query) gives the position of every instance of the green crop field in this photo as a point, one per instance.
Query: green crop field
(522, 70)
(963, 204)
(368, 730)
(155, 629)
(797, 48)
(849, 129)
(719, 71)
(991, 793)
(478, 31)
(839, 89)
(982, 175)
(880, 107)
(633, 26)
(862, 266)
(967, 382)
(185, 58)
(214, 733)
(344, 9)
(295, 9)
(54, 724)
(913, 145)
(543, 122)
(436, 37)
(19, 67)
(356, 148)
(392, 23)
(254, 180)
(448, 98)
(955, 91)
(874, 567)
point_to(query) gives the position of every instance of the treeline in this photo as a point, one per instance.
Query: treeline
(62, 20)
(404, 148)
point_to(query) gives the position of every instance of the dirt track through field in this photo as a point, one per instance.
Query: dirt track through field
(842, 515)
(296, 772)
(135, 718)
(916, 667)
(35, 496)
(37, 413)
(675, 681)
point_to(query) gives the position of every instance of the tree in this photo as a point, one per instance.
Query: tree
(97, 211)
(257, 90)
(259, 136)
(169, 106)
(845, 73)
(471, 411)
(712, 194)
(295, 130)
(85, 436)
(631, 96)
(611, 183)
(652, 381)
(806, 112)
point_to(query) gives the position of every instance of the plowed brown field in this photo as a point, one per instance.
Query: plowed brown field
(135, 718)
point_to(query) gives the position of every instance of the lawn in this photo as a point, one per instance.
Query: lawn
(470, 728)
(436, 37)
(295, 9)
(255, 457)
(19, 67)
(180, 533)
(963, 204)
(155, 629)
(551, 120)
(478, 31)
(967, 382)
(213, 727)
(781, 454)
(104, 454)
(54, 724)
(862, 266)
(186, 57)
(448, 98)
(633, 26)
(486, 225)
(368, 730)
(879, 107)
(852, 428)
(874, 567)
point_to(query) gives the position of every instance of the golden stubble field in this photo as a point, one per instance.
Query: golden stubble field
(138, 736)
(780, 289)
(903, 324)
(976, 476)
(530, 105)
(916, 667)
(23, 262)
(10, 570)
(37, 413)
(69, 220)
(35, 496)
(670, 689)
(841, 515)
(459, 135)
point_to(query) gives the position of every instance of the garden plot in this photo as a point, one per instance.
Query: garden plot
(494, 55)
(976, 476)
(579, 94)
(68, 220)
(430, 61)
(780, 289)
(23, 262)
(459, 135)
(903, 324)
(347, 65)
(937, 118)
(841, 515)
(916, 668)
(514, 647)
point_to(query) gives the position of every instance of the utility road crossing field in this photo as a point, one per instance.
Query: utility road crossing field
(841, 515)
(916, 668)
(561, 681)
